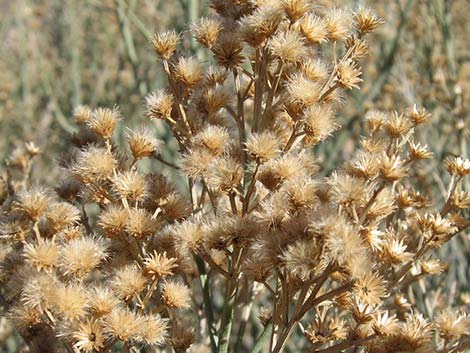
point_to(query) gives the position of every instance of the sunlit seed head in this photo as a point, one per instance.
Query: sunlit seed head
(165, 43)
(314, 28)
(159, 105)
(206, 31)
(103, 121)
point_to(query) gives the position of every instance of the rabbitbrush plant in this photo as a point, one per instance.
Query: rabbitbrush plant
(258, 252)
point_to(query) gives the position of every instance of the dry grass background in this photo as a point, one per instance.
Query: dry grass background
(56, 54)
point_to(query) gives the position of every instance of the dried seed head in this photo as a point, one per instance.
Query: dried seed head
(392, 168)
(228, 51)
(89, 336)
(295, 9)
(32, 203)
(314, 69)
(416, 330)
(82, 114)
(176, 295)
(457, 166)
(188, 234)
(417, 152)
(364, 165)
(338, 23)
(262, 147)
(224, 174)
(102, 301)
(346, 190)
(398, 125)
(196, 162)
(319, 123)
(302, 92)
(43, 256)
(189, 71)
(81, 256)
(176, 207)
(129, 282)
(152, 330)
(62, 214)
(140, 223)
(314, 28)
(418, 116)
(159, 105)
(122, 324)
(206, 31)
(113, 220)
(103, 121)
(159, 265)
(288, 46)
(348, 74)
(165, 44)
(130, 185)
(142, 143)
(181, 336)
(71, 301)
(94, 164)
(452, 324)
(370, 289)
(213, 138)
(214, 99)
(262, 24)
(367, 21)
(374, 121)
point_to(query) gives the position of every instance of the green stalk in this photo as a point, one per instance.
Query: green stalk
(206, 295)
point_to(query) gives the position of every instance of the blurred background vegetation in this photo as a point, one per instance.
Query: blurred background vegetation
(57, 54)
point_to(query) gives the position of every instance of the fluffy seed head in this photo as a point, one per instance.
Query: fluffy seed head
(159, 265)
(89, 336)
(314, 28)
(206, 31)
(94, 164)
(82, 114)
(165, 44)
(43, 256)
(80, 256)
(367, 21)
(140, 223)
(262, 147)
(288, 46)
(318, 123)
(176, 295)
(142, 143)
(104, 121)
(130, 185)
(228, 51)
(159, 105)
(189, 71)
(32, 202)
(129, 282)
(338, 23)
(295, 9)
(348, 74)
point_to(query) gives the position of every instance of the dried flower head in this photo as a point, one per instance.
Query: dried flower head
(206, 31)
(142, 142)
(159, 105)
(103, 121)
(176, 295)
(159, 265)
(165, 44)
(262, 147)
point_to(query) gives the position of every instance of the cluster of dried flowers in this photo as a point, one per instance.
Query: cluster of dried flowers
(117, 259)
